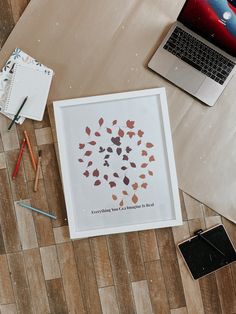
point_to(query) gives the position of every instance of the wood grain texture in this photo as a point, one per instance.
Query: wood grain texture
(170, 268)
(36, 281)
(8, 308)
(87, 276)
(6, 21)
(121, 273)
(101, 260)
(20, 284)
(108, 300)
(52, 184)
(61, 234)
(141, 297)
(43, 224)
(157, 288)
(134, 256)
(18, 185)
(50, 263)
(56, 296)
(6, 292)
(227, 296)
(191, 287)
(2, 161)
(26, 227)
(7, 215)
(70, 278)
(43, 271)
(210, 296)
(149, 245)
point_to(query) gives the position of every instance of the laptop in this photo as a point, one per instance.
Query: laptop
(199, 52)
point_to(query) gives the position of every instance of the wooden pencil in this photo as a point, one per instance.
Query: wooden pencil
(37, 172)
(19, 159)
(30, 151)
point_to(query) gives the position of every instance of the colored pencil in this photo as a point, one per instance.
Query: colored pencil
(17, 166)
(17, 114)
(36, 210)
(30, 150)
(37, 173)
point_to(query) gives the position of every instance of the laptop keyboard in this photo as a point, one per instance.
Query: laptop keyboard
(203, 58)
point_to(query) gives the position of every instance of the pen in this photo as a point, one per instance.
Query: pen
(199, 234)
(36, 210)
(30, 150)
(19, 159)
(37, 172)
(17, 114)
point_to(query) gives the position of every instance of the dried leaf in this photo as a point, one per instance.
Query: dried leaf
(130, 134)
(87, 130)
(80, 160)
(133, 165)
(144, 153)
(109, 130)
(121, 133)
(114, 122)
(89, 163)
(139, 142)
(121, 203)
(112, 184)
(144, 165)
(101, 149)
(92, 143)
(116, 140)
(125, 193)
(128, 149)
(149, 145)
(126, 180)
(134, 199)
(142, 176)
(101, 121)
(114, 197)
(107, 156)
(140, 133)
(86, 173)
(96, 173)
(106, 163)
(97, 182)
(135, 186)
(110, 150)
(105, 177)
(119, 151)
(81, 146)
(152, 158)
(97, 134)
(123, 168)
(144, 185)
(150, 173)
(125, 157)
(115, 175)
(88, 153)
(130, 124)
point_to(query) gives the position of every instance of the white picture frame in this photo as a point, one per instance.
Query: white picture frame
(148, 204)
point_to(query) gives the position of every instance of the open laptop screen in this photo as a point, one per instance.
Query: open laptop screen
(214, 20)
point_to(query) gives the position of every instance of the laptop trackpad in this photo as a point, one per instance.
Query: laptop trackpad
(185, 76)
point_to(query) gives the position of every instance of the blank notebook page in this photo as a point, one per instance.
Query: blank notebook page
(29, 82)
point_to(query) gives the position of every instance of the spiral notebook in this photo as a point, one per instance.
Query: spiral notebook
(35, 84)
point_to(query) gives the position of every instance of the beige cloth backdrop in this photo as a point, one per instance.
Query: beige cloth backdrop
(103, 46)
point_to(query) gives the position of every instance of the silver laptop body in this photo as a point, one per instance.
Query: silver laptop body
(184, 75)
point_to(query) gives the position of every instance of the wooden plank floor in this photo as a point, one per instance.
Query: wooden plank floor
(42, 271)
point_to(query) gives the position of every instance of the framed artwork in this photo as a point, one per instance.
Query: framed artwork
(117, 163)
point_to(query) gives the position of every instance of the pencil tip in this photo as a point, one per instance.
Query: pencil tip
(40, 153)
